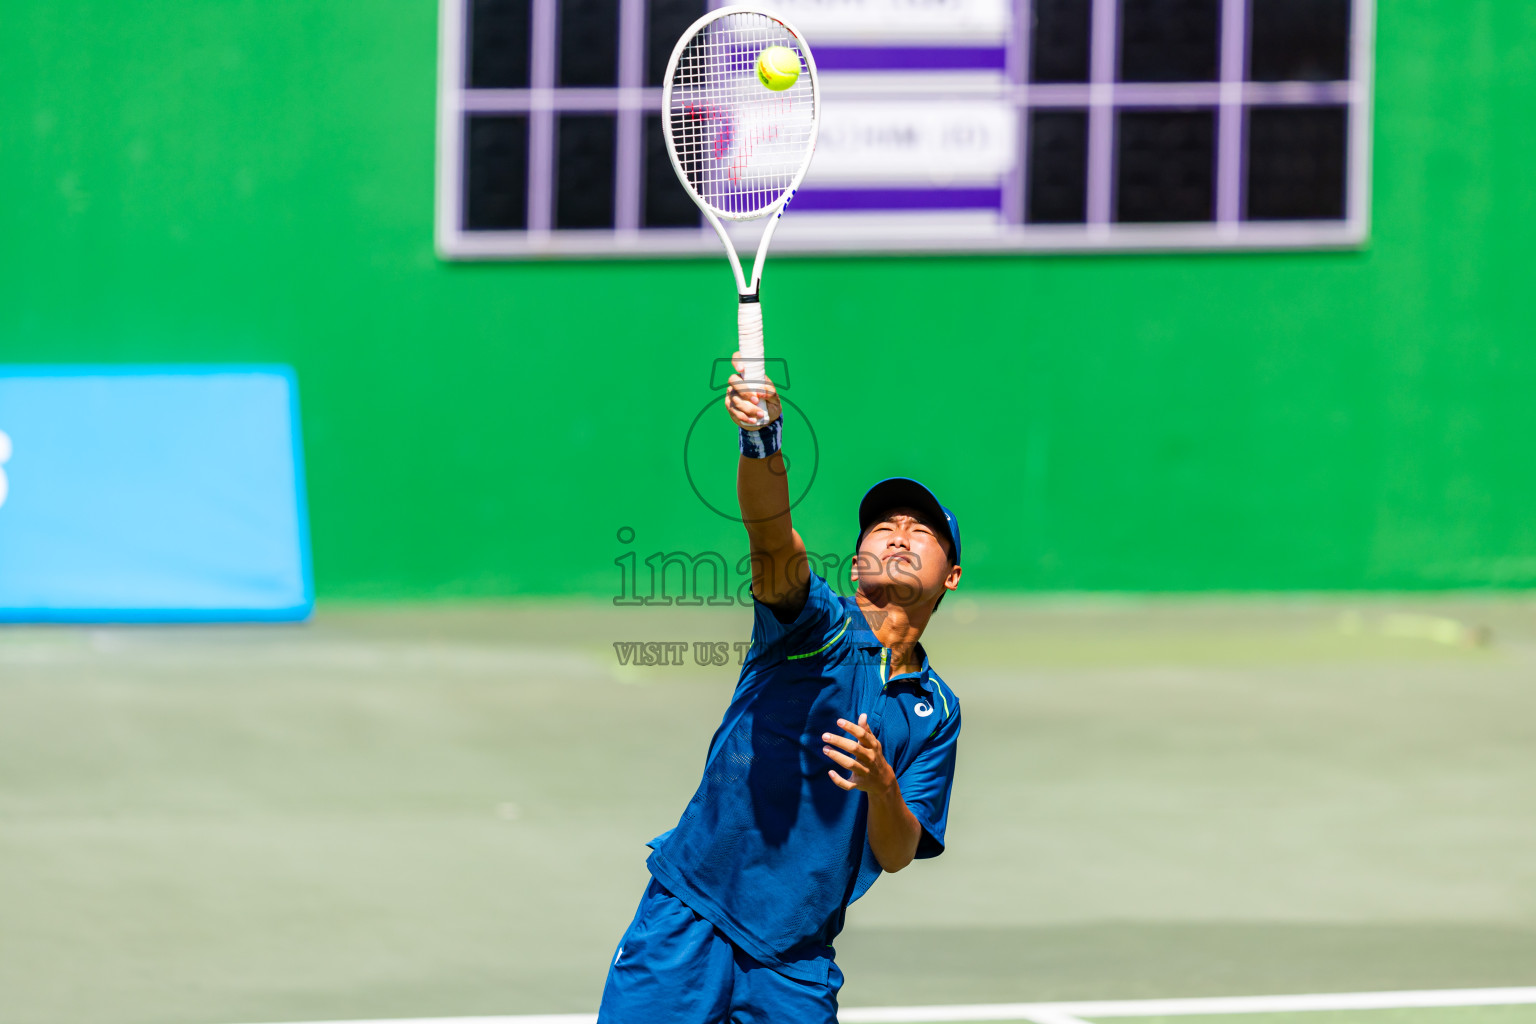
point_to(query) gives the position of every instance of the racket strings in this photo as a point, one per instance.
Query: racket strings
(740, 144)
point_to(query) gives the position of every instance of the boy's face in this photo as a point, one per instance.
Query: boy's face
(906, 556)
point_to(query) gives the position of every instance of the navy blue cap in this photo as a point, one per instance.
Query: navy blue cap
(902, 492)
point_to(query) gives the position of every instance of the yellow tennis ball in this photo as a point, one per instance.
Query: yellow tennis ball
(778, 68)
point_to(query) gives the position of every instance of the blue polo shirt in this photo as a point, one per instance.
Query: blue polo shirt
(770, 850)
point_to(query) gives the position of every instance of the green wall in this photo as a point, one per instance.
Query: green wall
(233, 180)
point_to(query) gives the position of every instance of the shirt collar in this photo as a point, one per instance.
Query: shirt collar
(864, 637)
(922, 677)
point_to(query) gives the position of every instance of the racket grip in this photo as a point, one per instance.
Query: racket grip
(749, 337)
(749, 332)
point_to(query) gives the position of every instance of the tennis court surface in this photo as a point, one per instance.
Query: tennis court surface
(440, 812)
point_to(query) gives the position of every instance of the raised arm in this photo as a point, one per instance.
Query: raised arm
(780, 575)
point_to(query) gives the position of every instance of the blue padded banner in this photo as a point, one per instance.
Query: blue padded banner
(152, 494)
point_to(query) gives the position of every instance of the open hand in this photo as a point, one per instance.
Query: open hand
(861, 755)
(752, 404)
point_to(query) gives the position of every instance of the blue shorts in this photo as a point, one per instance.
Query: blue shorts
(674, 966)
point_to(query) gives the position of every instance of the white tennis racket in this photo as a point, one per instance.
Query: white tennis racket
(740, 148)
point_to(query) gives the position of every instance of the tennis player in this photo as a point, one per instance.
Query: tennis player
(834, 762)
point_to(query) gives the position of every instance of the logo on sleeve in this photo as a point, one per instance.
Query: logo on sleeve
(923, 709)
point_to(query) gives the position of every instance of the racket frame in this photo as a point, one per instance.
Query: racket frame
(746, 286)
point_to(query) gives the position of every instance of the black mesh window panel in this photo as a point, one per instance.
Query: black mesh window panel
(1296, 161)
(1165, 168)
(1058, 167)
(584, 146)
(1170, 40)
(665, 23)
(1059, 50)
(665, 203)
(589, 43)
(498, 44)
(496, 172)
(1299, 41)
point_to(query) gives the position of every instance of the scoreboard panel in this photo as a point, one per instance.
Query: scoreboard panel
(948, 125)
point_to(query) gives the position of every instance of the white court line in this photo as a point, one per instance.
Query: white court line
(1297, 1004)
(1072, 1013)
(1042, 1015)
(1049, 1013)
(545, 1018)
